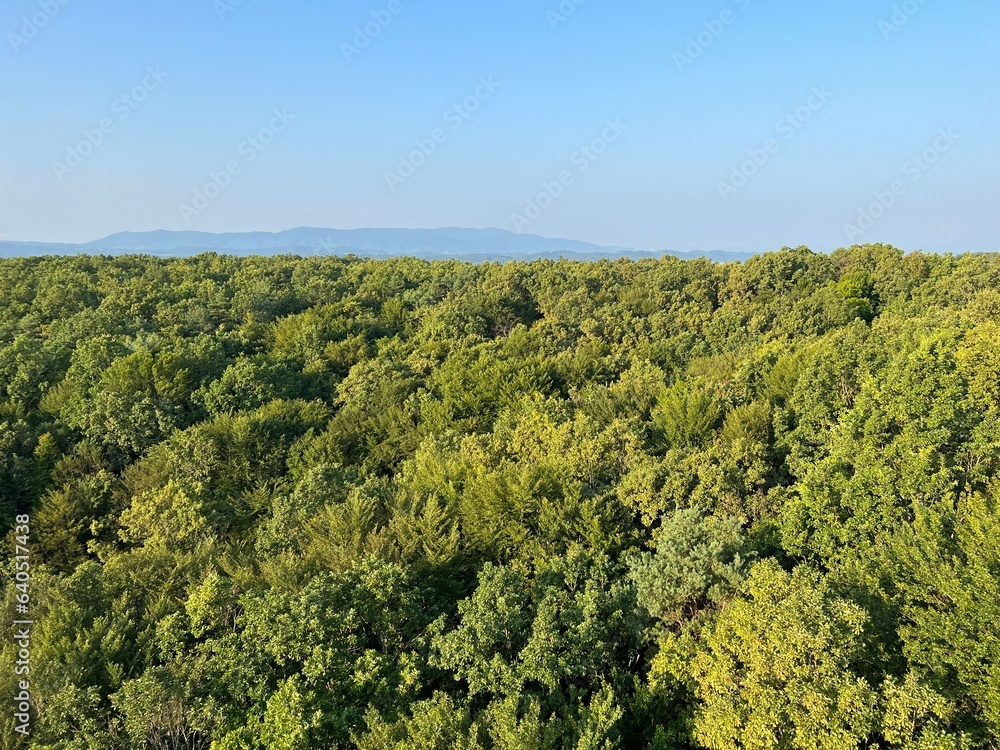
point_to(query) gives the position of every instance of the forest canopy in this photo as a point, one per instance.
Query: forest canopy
(325, 502)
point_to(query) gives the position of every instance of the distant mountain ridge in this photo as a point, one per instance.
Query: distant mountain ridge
(475, 245)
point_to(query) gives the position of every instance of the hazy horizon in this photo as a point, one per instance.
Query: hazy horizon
(386, 229)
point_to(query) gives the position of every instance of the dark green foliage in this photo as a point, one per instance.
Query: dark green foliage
(287, 503)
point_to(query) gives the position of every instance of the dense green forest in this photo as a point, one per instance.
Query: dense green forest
(329, 502)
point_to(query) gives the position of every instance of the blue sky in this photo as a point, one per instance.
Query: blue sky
(741, 124)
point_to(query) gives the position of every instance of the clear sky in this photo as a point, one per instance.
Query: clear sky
(735, 124)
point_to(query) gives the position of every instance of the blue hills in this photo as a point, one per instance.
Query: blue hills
(476, 245)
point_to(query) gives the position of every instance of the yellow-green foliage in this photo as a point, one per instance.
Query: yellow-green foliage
(338, 503)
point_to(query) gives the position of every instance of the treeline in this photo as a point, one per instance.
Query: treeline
(295, 503)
